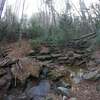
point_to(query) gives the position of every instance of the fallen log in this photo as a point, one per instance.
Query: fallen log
(86, 36)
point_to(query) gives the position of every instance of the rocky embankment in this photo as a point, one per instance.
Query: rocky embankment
(47, 73)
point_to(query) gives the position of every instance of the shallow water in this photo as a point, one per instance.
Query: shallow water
(76, 74)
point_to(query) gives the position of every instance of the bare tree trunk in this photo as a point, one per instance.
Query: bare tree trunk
(53, 11)
(21, 22)
(2, 3)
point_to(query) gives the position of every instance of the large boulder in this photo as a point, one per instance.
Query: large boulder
(26, 67)
(40, 90)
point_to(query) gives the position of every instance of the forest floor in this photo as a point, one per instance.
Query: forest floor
(85, 90)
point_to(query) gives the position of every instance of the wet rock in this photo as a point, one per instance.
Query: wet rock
(66, 85)
(55, 74)
(64, 91)
(26, 67)
(44, 72)
(77, 80)
(65, 98)
(29, 85)
(62, 83)
(39, 91)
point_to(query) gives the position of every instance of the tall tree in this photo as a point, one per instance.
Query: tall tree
(2, 3)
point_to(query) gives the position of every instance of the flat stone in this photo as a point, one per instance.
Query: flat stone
(77, 56)
(56, 55)
(44, 50)
(64, 91)
(90, 75)
(44, 57)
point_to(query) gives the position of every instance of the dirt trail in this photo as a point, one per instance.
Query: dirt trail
(86, 90)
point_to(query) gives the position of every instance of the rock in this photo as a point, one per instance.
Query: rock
(73, 98)
(64, 91)
(77, 80)
(26, 67)
(97, 61)
(22, 97)
(98, 87)
(90, 75)
(41, 90)
(3, 81)
(77, 56)
(55, 74)
(2, 72)
(5, 61)
(46, 62)
(56, 55)
(12, 97)
(9, 97)
(44, 50)
(21, 75)
(97, 76)
(31, 53)
(91, 64)
(49, 98)
(70, 54)
(63, 58)
(29, 85)
(44, 72)
(44, 57)
(70, 61)
(62, 83)
(66, 85)
(65, 98)
(38, 98)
